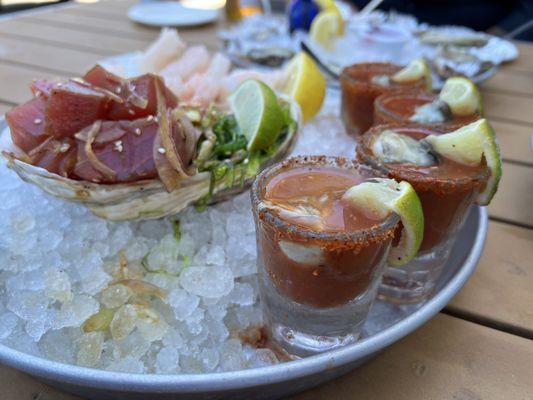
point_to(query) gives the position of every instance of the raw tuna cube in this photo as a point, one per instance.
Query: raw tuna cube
(43, 87)
(129, 155)
(56, 156)
(71, 107)
(139, 90)
(99, 76)
(26, 123)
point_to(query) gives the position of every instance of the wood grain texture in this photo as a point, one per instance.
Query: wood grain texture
(47, 57)
(499, 292)
(16, 81)
(447, 359)
(514, 200)
(508, 107)
(506, 80)
(515, 140)
(69, 37)
(4, 108)
(524, 62)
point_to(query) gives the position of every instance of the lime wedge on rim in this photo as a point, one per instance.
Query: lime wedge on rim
(381, 196)
(461, 95)
(415, 70)
(258, 113)
(468, 145)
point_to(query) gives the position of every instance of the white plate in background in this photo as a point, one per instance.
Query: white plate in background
(170, 14)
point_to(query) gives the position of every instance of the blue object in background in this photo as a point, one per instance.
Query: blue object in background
(301, 14)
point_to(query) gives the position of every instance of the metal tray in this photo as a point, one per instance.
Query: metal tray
(387, 323)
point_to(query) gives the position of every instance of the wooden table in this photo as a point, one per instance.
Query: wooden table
(479, 347)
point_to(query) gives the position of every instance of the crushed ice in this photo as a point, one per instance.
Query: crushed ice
(155, 304)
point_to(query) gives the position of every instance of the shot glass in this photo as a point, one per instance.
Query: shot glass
(394, 108)
(316, 286)
(360, 86)
(446, 190)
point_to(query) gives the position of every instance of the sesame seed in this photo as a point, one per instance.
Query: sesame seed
(118, 146)
(137, 131)
(156, 119)
(37, 121)
(161, 150)
(38, 93)
(64, 147)
(150, 118)
(59, 84)
(118, 90)
(131, 111)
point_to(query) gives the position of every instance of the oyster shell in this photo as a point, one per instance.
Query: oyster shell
(146, 199)
(449, 61)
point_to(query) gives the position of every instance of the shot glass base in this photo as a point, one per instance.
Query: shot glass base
(302, 330)
(415, 281)
(302, 344)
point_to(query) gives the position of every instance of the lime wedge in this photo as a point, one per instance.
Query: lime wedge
(326, 26)
(258, 113)
(468, 145)
(305, 83)
(379, 197)
(415, 70)
(461, 95)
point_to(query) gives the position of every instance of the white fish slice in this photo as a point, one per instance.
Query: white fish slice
(165, 49)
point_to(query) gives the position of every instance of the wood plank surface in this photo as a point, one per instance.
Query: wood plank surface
(4, 108)
(122, 27)
(524, 63)
(69, 37)
(510, 81)
(16, 80)
(514, 200)
(446, 359)
(515, 140)
(499, 293)
(51, 58)
(508, 107)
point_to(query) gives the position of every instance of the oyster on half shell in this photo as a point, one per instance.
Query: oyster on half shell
(146, 199)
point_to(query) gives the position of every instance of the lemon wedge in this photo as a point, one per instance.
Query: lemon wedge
(304, 83)
(326, 27)
(462, 95)
(415, 70)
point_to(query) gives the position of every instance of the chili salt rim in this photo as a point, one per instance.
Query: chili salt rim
(378, 231)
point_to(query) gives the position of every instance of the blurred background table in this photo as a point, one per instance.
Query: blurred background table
(479, 347)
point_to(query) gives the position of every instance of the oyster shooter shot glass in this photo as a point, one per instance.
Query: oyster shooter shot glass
(419, 108)
(430, 109)
(362, 83)
(450, 172)
(321, 249)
